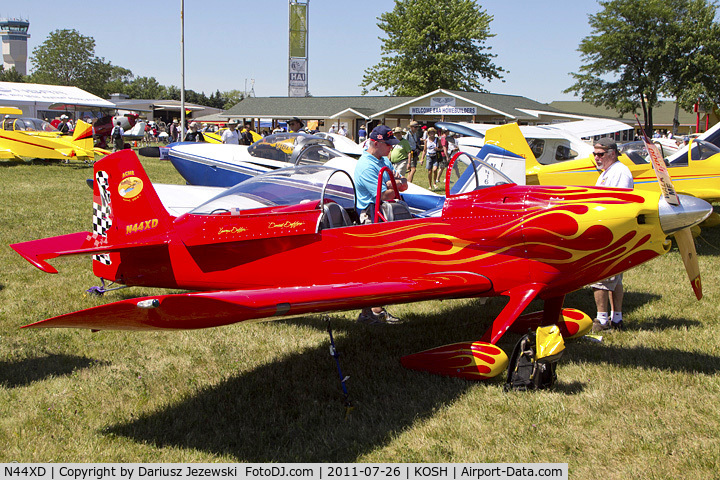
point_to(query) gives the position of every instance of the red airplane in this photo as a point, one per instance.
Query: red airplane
(288, 243)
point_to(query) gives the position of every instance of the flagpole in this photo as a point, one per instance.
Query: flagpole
(182, 74)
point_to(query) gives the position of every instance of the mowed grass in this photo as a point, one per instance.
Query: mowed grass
(641, 404)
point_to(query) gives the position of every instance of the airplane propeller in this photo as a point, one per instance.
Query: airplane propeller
(677, 213)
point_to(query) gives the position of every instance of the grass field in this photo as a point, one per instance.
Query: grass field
(641, 404)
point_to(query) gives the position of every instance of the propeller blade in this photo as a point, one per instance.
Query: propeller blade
(658, 163)
(678, 221)
(686, 245)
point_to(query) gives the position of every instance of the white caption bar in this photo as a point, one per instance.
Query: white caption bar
(309, 471)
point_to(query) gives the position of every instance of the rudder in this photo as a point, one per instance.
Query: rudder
(126, 207)
(83, 136)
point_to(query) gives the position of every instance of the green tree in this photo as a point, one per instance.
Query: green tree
(118, 79)
(146, 88)
(11, 75)
(231, 98)
(172, 92)
(640, 51)
(68, 58)
(697, 57)
(433, 44)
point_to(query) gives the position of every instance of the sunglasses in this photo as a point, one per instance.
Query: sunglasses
(600, 154)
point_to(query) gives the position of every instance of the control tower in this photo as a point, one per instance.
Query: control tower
(13, 32)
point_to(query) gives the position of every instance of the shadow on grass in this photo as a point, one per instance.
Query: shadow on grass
(292, 410)
(670, 360)
(46, 163)
(662, 323)
(29, 370)
(12, 163)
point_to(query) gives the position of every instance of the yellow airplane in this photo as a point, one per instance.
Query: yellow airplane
(695, 173)
(23, 138)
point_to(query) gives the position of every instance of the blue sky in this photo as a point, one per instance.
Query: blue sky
(229, 43)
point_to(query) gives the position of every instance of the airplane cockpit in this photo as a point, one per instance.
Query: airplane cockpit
(295, 149)
(309, 185)
(28, 124)
(699, 150)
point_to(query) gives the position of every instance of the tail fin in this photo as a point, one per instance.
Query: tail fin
(83, 136)
(126, 208)
(511, 138)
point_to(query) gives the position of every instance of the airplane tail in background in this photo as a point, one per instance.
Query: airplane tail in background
(511, 138)
(83, 136)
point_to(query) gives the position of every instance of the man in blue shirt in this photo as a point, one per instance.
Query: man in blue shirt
(368, 168)
(367, 171)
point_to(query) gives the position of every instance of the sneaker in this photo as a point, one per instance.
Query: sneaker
(617, 325)
(382, 318)
(371, 318)
(599, 327)
(390, 319)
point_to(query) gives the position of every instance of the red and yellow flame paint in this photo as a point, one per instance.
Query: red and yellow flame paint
(560, 236)
(469, 360)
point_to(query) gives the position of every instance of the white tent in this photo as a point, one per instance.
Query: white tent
(33, 98)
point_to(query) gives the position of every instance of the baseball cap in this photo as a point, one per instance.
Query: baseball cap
(606, 143)
(398, 130)
(381, 133)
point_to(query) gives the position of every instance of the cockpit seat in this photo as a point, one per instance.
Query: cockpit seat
(397, 210)
(334, 216)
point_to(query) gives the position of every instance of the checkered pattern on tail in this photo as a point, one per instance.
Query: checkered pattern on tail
(101, 213)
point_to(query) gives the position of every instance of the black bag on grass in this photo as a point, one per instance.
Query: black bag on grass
(534, 358)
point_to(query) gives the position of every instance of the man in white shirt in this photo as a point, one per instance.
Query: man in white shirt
(614, 174)
(230, 136)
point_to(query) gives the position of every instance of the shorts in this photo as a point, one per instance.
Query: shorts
(609, 283)
(367, 216)
(400, 168)
(432, 161)
(415, 156)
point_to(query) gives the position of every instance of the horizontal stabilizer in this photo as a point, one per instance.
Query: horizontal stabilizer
(37, 251)
(80, 243)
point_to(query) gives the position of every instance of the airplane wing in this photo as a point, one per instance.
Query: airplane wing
(212, 309)
(7, 154)
(590, 127)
